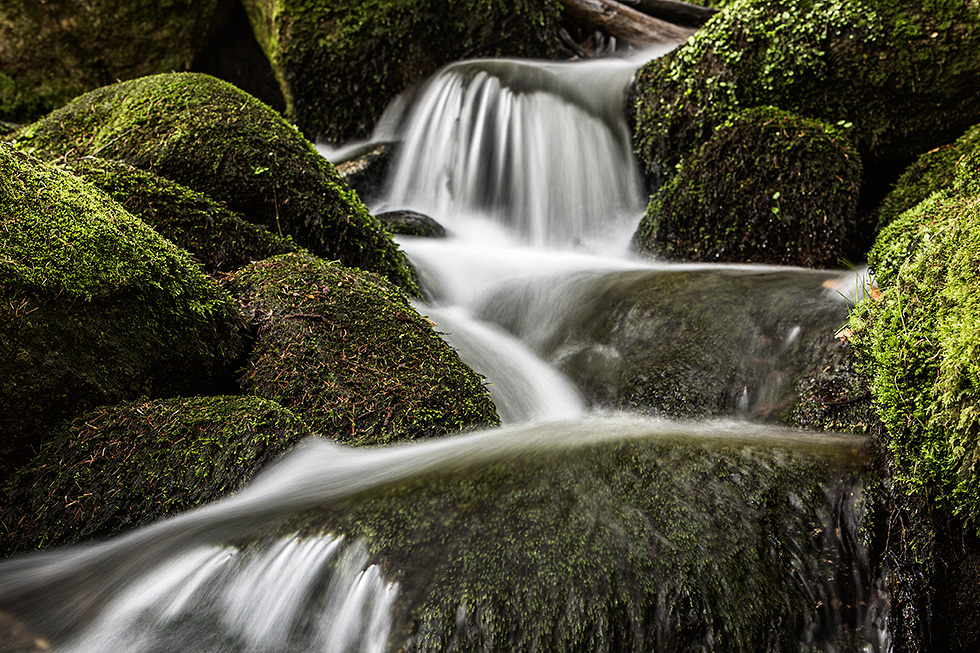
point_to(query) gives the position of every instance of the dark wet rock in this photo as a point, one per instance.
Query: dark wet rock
(410, 223)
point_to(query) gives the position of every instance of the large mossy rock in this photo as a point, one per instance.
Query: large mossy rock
(346, 352)
(340, 62)
(902, 73)
(694, 343)
(767, 188)
(211, 137)
(115, 468)
(95, 307)
(51, 52)
(659, 543)
(217, 238)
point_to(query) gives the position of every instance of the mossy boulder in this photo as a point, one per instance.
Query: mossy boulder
(116, 468)
(902, 74)
(345, 351)
(216, 237)
(340, 62)
(769, 187)
(51, 52)
(917, 339)
(211, 137)
(937, 170)
(693, 343)
(95, 307)
(672, 543)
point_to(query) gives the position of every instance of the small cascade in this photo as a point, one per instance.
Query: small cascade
(541, 150)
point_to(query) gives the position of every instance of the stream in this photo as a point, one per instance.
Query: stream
(587, 521)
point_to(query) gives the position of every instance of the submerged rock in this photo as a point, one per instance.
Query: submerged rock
(340, 63)
(219, 239)
(116, 468)
(95, 308)
(211, 137)
(769, 187)
(346, 352)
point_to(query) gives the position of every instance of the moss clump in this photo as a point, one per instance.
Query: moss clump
(219, 239)
(903, 74)
(118, 467)
(936, 170)
(209, 136)
(918, 342)
(95, 307)
(769, 187)
(347, 353)
(339, 62)
(51, 52)
(639, 545)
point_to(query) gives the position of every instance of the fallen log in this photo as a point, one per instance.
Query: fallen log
(674, 11)
(625, 23)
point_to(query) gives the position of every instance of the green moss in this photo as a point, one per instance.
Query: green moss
(620, 546)
(51, 52)
(346, 352)
(219, 239)
(935, 170)
(340, 62)
(209, 136)
(918, 342)
(903, 74)
(767, 187)
(116, 468)
(95, 307)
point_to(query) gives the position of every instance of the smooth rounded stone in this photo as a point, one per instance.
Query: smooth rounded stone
(411, 223)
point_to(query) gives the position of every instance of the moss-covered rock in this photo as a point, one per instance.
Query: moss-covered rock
(209, 136)
(219, 239)
(346, 352)
(768, 187)
(636, 545)
(115, 468)
(936, 170)
(340, 62)
(51, 52)
(95, 307)
(902, 73)
(918, 342)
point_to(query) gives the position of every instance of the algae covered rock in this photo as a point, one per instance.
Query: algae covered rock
(347, 353)
(340, 62)
(902, 74)
(96, 307)
(769, 187)
(51, 52)
(211, 137)
(217, 238)
(115, 468)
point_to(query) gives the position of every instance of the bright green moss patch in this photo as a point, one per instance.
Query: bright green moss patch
(115, 468)
(346, 352)
(767, 187)
(900, 75)
(219, 239)
(920, 344)
(209, 136)
(340, 62)
(95, 307)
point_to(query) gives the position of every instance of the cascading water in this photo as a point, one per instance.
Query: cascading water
(564, 530)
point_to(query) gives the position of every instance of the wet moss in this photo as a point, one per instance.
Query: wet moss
(339, 63)
(767, 187)
(116, 468)
(346, 352)
(50, 52)
(217, 238)
(902, 74)
(211, 137)
(96, 307)
(917, 340)
(620, 546)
